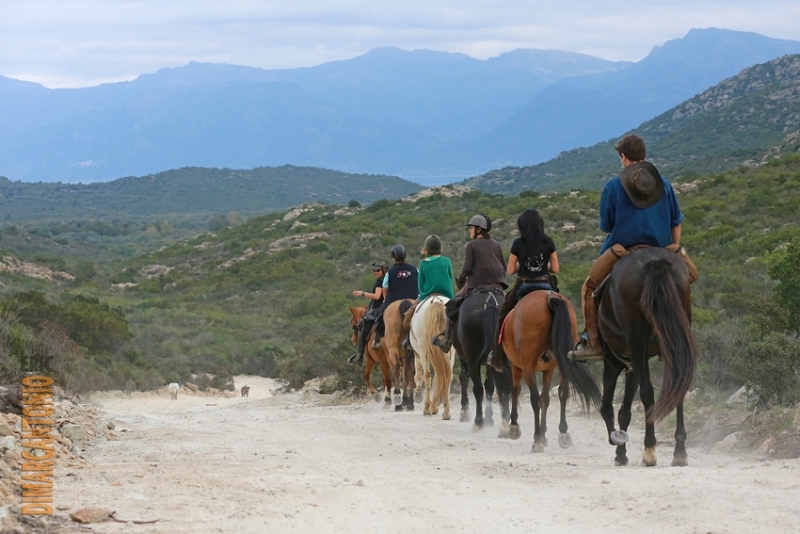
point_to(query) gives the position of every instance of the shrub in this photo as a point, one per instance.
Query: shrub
(771, 369)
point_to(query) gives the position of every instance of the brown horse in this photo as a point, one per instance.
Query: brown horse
(372, 358)
(646, 310)
(538, 333)
(401, 360)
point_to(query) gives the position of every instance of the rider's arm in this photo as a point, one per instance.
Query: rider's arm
(554, 263)
(676, 234)
(466, 270)
(513, 264)
(607, 210)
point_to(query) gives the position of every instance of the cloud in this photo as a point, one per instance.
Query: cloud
(76, 43)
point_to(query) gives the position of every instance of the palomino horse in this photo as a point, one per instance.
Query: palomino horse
(538, 333)
(429, 321)
(372, 357)
(646, 310)
(477, 328)
(401, 361)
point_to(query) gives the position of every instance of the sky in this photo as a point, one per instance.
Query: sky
(66, 43)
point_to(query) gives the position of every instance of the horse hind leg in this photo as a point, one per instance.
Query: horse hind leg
(488, 387)
(679, 457)
(463, 378)
(538, 445)
(564, 439)
(647, 395)
(477, 392)
(544, 402)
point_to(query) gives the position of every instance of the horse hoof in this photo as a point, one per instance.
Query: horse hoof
(649, 457)
(514, 432)
(418, 397)
(621, 462)
(619, 437)
(397, 400)
(543, 441)
(464, 417)
(398, 408)
(376, 397)
(564, 440)
(504, 430)
(489, 421)
(680, 461)
(409, 407)
(537, 447)
(446, 416)
(477, 427)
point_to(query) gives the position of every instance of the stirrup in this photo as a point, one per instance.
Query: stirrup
(376, 344)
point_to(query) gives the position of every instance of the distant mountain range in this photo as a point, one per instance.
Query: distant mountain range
(746, 119)
(389, 111)
(194, 190)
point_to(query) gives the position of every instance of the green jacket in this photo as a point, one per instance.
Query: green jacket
(435, 276)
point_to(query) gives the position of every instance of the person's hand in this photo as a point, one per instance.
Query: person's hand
(358, 293)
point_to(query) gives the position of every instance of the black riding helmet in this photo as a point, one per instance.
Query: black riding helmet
(377, 265)
(398, 253)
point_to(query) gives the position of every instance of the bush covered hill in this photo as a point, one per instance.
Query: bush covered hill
(270, 296)
(195, 190)
(750, 117)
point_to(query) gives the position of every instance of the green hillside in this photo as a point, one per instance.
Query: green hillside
(746, 119)
(270, 295)
(195, 190)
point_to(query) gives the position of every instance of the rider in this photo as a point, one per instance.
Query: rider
(533, 257)
(484, 265)
(376, 297)
(399, 283)
(637, 208)
(435, 277)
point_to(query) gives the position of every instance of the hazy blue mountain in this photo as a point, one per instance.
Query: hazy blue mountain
(379, 110)
(583, 110)
(389, 111)
(747, 119)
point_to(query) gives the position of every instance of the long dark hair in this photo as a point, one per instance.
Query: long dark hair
(531, 227)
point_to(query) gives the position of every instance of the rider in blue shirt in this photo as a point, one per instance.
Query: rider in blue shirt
(637, 208)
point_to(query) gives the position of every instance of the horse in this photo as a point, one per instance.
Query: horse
(646, 310)
(537, 335)
(429, 321)
(372, 358)
(475, 334)
(401, 360)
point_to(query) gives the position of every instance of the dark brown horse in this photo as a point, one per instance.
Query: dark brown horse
(645, 311)
(372, 357)
(539, 332)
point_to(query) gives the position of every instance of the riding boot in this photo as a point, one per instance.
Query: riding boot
(445, 340)
(358, 356)
(589, 347)
(376, 343)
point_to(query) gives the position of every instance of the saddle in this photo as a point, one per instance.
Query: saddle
(551, 294)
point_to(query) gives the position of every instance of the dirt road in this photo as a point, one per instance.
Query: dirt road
(302, 463)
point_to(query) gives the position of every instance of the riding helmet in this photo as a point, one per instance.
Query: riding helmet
(433, 245)
(481, 221)
(377, 265)
(398, 252)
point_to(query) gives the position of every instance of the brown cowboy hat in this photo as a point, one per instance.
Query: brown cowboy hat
(643, 183)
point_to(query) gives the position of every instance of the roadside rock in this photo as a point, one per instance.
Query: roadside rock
(742, 396)
(725, 446)
(91, 514)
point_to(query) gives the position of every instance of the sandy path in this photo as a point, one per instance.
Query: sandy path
(293, 463)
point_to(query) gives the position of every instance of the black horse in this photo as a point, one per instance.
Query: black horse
(477, 328)
(646, 310)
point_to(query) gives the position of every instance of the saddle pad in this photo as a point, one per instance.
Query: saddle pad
(503, 328)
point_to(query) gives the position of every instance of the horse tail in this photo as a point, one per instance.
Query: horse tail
(663, 308)
(577, 375)
(491, 313)
(405, 305)
(435, 320)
